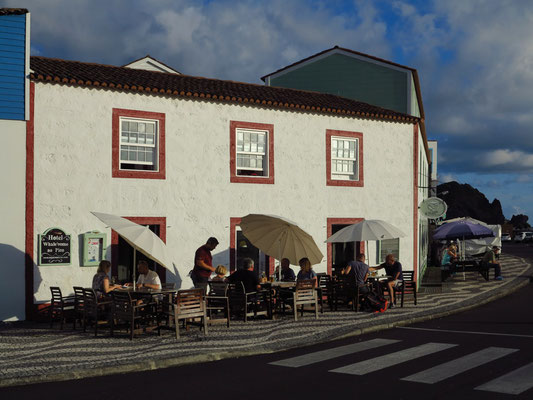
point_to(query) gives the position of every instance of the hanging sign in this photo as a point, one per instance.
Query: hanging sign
(433, 208)
(54, 247)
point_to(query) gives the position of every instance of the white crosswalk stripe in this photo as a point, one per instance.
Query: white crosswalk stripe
(335, 352)
(515, 382)
(459, 365)
(388, 360)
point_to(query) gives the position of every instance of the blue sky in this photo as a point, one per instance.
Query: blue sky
(474, 59)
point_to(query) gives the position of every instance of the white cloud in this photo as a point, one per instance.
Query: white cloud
(507, 157)
(445, 178)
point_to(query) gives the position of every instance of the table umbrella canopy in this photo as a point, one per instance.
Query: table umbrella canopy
(139, 237)
(463, 229)
(280, 238)
(369, 229)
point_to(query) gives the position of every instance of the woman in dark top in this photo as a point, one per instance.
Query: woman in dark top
(101, 283)
(306, 271)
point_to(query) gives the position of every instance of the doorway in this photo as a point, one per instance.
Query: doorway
(339, 254)
(245, 249)
(122, 251)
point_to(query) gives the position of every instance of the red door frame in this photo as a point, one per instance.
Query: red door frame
(161, 221)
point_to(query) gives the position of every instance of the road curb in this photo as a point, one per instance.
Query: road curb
(365, 328)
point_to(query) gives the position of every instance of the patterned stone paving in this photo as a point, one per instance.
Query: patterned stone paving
(32, 352)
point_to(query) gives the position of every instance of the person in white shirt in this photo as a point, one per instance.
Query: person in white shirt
(147, 278)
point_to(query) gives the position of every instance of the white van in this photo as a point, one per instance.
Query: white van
(519, 237)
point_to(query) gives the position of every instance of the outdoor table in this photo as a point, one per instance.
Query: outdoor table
(275, 288)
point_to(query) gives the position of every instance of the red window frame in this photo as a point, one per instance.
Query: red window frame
(161, 221)
(234, 178)
(121, 173)
(351, 135)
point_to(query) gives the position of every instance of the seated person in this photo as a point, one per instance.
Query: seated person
(490, 260)
(247, 276)
(147, 278)
(287, 274)
(449, 257)
(220, 272)
(306, 271)
(101, 283)
(358, 273)
(393, 269)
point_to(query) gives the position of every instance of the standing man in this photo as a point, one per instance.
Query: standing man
(203, 264)
(393, 269)
(147, 277)
(490, 260)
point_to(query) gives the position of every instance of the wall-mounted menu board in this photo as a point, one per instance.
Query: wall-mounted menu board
(54, 247)
(94, 247)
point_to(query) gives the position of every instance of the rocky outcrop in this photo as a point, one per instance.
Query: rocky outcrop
(520, 222)
(465, 201)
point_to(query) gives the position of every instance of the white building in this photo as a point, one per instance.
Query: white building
(189, 157)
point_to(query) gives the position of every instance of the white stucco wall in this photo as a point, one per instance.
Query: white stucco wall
(12, 215)
(73, 175)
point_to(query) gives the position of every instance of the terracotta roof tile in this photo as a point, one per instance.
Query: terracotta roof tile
(111, 77)
(13, 11)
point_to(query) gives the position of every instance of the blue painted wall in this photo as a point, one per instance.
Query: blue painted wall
(12, 66)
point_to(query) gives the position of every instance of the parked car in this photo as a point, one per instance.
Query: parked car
(528, 237)
(519, 237)
(506, 237)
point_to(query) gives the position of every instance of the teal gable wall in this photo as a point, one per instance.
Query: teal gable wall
(12, 66)
(350, 77)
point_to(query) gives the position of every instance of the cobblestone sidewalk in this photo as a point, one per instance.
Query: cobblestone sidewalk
(32, 352)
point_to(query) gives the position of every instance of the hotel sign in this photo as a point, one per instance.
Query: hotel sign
(54, 247)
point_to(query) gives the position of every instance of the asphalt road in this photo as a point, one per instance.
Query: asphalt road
(485, 353)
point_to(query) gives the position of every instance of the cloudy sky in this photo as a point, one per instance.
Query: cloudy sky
(474, 59)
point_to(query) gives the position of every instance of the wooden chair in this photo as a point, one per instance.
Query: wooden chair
(408, 286)
(94, 310)
(190, 305)
(305, 293)
(217, 300)
(324, 289)
(125, 309)
(78, 306)
(251, 304)
(60, 306)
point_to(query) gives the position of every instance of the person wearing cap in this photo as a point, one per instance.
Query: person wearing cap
(203, 263)
(490, 260)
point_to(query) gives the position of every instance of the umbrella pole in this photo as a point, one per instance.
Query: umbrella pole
(134, 267)
(279, 261)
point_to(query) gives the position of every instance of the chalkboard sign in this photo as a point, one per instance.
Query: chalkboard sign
(54, 247)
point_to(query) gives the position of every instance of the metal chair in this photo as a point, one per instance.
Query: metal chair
(217, 300)
(324, 291)
(78, 305)
(95, 311)
(125, 309)
(251, 304)
(60, 306)
(408, 286)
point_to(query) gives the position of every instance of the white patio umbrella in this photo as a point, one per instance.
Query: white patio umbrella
(369, 229)
(140, 237)
(279, 237)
